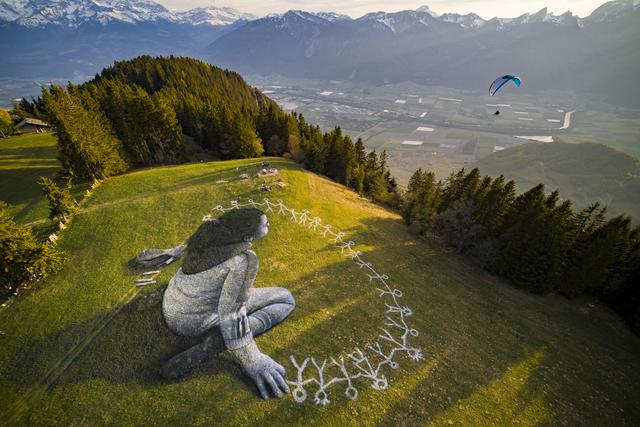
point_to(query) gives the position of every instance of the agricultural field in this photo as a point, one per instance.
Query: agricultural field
(85, 346)
(464, 126)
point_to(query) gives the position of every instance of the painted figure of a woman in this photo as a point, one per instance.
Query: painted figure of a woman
(212, 293)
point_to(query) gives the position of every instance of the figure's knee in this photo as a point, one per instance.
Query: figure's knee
(287, 297)
(285, 302)
(273, 295)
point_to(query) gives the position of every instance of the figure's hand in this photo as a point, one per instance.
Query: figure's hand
(265, 372)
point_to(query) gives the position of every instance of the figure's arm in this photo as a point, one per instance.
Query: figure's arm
(157, 257)
(234, 325)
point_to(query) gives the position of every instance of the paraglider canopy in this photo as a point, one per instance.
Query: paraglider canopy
(501, 81)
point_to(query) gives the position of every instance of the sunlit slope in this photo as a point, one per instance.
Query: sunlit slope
(584, 173)
(492, 354)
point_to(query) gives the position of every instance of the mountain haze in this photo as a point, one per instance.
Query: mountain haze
(594, 54)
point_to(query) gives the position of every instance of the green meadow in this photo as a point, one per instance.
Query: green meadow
(84, 346)
(23, 160)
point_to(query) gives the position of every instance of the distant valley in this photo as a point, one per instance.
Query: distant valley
(597, 54)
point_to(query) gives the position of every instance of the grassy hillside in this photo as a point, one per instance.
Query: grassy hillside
(23, 159)
(493, 355)
(584, 173)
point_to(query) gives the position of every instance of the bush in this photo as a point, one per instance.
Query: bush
(23, 259)
(61, 204)
(6, 124)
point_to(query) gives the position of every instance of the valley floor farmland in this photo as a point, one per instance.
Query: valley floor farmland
(493, 354)
(465, 128)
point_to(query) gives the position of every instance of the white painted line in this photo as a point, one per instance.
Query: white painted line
(422, 115)
(522, 113)
(419, 100)
(424, 129)
(400, 101)
(450, 99)
(503, 105)
(525, 118)
(553, 120)
(152, 282)
(448, 146)
(412, 142)
(497, 148)
(325, 93)
(150, 273)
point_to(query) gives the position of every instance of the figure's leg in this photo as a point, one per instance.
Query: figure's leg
(267, 307)
(182, 363)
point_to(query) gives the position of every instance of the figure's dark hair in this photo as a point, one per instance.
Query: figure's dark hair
(217, 240)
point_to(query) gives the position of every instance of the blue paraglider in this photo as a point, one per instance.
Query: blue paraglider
(501, 81)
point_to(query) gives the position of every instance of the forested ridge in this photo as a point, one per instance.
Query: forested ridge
(137, 112)
(533, 239)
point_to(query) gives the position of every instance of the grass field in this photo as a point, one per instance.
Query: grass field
(493, 355)
(23, 159)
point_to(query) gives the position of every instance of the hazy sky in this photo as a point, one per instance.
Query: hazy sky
(356, 8)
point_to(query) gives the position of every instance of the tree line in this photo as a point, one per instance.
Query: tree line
(534, 239)
(138, 112)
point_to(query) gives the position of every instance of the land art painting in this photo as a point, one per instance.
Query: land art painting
(211, 297)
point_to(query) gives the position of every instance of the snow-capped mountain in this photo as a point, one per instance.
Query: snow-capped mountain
(399, 22)
(64, 38)
(596, 53)
(74, 13)
(213, 16)
(542, 16)
(613, 10)
(465, 21)
(333, 17)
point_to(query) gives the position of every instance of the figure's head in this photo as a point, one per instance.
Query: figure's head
(235, 226)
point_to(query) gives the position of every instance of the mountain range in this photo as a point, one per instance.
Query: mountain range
(65, 38)
(74, 13)
(597, 54)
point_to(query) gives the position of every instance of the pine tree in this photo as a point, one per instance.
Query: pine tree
(86, 144)
(61, 203)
